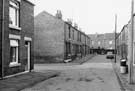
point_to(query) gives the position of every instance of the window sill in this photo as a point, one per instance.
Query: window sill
(14, 64)
(14, 27)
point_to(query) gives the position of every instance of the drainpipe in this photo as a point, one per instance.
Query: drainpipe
(3, 38)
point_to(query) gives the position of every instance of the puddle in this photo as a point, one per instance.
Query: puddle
(68, 79)
(86, 79)
(50, 83)
(101, 79)
(58, 88)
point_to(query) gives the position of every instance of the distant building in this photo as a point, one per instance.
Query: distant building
(57, 40)
(16, 37)
(123, 41)
(103, 41)
(124, 44)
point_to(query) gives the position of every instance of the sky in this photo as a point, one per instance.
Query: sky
(92, 16)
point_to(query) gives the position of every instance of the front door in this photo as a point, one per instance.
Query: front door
(27, 44)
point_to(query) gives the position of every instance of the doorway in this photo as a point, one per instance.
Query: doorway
(27, 44)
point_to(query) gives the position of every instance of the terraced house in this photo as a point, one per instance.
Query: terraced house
(57, 40)
(124, 45)
(77, 43)
(122, 41)
(16, 37)
(101, 43)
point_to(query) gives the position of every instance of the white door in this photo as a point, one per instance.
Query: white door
(28, 55)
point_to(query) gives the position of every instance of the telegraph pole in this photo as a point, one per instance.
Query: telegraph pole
(2, 61)
(131, 45)
(115, 36)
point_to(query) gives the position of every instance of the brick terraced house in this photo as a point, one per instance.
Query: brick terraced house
(57, 40)
(16, 37)
(123, 41)
(101, 43)
(123, 46)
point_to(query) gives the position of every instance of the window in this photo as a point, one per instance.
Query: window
(14, 52)
(110, 42)
(14, 13)
(73, 34)
(99, 42)
(69, 32)
(92, 42)
(78, 37)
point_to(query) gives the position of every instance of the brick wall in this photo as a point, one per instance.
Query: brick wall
(27, 24)
(49, 38)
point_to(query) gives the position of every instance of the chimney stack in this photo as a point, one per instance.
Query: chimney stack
(59, 14)
(76, 25)
(69, 21)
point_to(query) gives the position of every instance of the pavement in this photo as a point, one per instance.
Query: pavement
(123, 78)
(20, 82)
(40, 73)
(96, 74)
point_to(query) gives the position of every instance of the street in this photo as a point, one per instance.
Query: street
(95, 75)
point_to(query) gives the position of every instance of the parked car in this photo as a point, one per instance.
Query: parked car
(110, 55)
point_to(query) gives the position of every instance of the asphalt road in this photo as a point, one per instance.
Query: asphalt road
(95, 75)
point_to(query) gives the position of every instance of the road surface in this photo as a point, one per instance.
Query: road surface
(95, 75)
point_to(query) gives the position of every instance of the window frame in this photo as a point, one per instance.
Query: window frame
(69, 33)
(16, 62)
(99, 42)
(110, 42)
(78, 36)
(73, 33)
(15, 4)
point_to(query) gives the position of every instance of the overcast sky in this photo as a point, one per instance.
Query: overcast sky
(91, 15)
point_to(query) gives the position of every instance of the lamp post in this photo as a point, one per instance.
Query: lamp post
(115, 36)
(2, 61)
(131, 45)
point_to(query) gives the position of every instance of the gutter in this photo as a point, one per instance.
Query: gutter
(3, 38)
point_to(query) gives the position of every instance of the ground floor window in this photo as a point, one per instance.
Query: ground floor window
(14, 48)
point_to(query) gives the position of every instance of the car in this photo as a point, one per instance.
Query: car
(110, 55)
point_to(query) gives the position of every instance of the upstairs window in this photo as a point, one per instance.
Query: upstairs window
(69, 32)
(73, 34)
(92, 42)
(14, 13)
(99, 42)
(78, 37)
(110, 42)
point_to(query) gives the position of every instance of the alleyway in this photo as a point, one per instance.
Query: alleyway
(95, 75)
